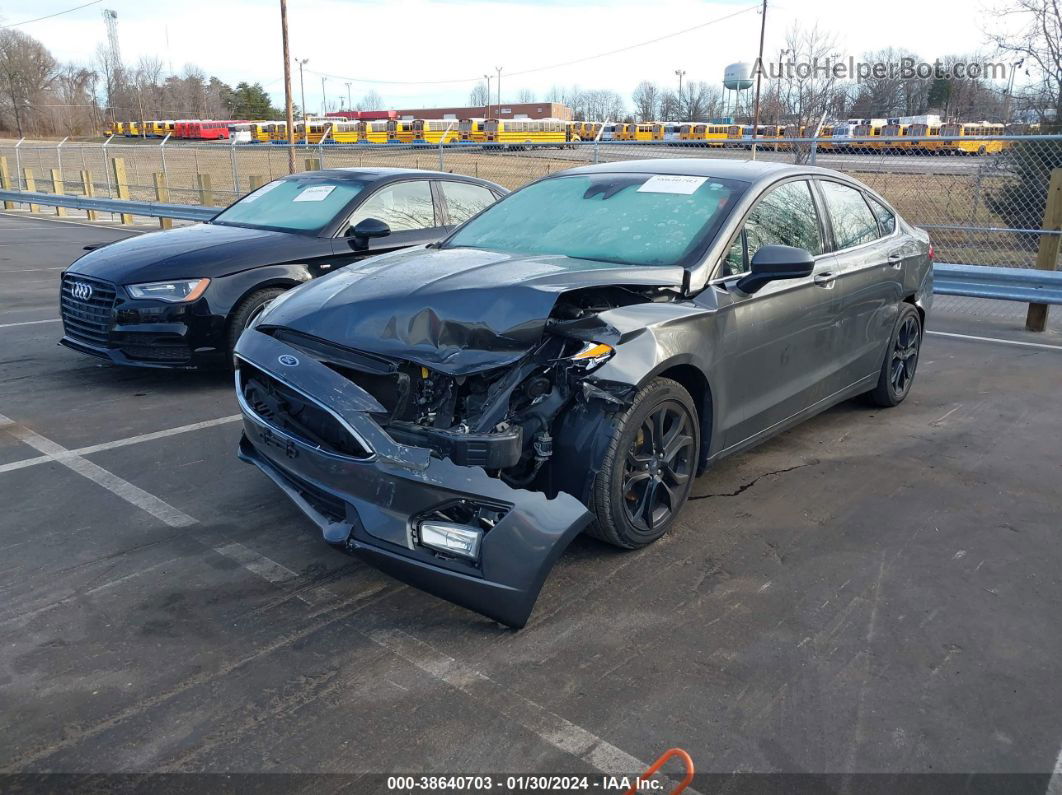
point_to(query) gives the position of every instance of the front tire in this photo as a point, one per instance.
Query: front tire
(247, 310)
(648, 469)
(901, 360)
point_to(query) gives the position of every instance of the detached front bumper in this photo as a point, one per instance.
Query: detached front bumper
(370, 505)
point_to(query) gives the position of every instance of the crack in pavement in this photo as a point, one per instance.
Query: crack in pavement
(751, 483)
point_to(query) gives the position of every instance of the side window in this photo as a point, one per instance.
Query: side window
(402, 206)
(853, 223)
(734, 263)
(464, 200)
(885, 216)
(785, 216)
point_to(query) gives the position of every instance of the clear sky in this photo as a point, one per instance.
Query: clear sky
(443, 40)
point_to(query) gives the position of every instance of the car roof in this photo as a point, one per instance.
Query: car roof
(374, 174)
(723, 168)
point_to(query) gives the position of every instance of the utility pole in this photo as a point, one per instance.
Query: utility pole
(1014, 67)
(350, 105)
(324, 99)
(498, 70)
(289, 114)
(487, 78)
(302, 94)
(759, 77)
(681, 73)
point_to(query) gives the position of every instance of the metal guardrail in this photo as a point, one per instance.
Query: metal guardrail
(183, 212)
(1005, 284)
(976, 281)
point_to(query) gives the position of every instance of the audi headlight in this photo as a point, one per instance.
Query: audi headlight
(174, 292)
(592, 355)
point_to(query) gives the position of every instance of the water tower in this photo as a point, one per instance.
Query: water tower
(737, 77)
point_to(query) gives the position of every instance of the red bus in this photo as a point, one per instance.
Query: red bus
(209, 130)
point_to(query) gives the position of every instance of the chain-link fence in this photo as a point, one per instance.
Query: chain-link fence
(981, 199)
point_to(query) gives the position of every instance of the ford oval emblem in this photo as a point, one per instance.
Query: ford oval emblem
(287, 360)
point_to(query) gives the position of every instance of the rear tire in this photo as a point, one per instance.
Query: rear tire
(247, 310)
(901, 360)
(648, 469)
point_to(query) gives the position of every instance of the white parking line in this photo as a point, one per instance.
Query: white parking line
(134, 495)
(30, 322)
(1054, 785)
(562, 734)
(143, 437)
(276, 573)
(1020, 343)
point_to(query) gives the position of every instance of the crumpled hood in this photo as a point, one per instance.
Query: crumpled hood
(188, 251)
(454, 310)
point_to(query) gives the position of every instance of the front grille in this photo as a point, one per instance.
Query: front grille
(87, 319)
(296, 415)
(160, 352)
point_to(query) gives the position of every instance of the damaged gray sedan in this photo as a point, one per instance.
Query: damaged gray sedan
(570, 359)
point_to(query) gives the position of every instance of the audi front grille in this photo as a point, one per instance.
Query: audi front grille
(86, 306)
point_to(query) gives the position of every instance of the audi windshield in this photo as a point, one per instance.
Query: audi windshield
(297, 204)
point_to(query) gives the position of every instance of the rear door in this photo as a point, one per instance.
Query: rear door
(869, 263)
(461, 200)
(777, 342)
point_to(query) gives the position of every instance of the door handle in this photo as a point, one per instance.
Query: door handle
(896, 259)
(825, 279)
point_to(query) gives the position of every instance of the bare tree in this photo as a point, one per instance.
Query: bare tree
(1039, 44)
(646, 99)
(371, 101)
(478, 96)
(26, 70)
(806, 94)
(698, 101)
(525, 95)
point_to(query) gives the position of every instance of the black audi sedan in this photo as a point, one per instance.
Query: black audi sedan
(180, 298)
(571, 359)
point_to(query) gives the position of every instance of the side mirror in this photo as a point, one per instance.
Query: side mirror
(368, 228)
(776, 262)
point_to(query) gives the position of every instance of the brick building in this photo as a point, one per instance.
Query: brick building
(507, 110)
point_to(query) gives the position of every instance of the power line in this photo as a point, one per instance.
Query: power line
(56, 14)
(544, 68)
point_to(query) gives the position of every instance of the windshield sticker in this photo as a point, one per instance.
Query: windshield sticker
(262, 191)
(318, 193)
(669, 183)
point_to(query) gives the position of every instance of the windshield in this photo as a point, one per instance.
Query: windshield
(296, 204)
(634, 219)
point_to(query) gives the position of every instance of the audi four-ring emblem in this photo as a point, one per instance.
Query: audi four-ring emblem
(82, 291)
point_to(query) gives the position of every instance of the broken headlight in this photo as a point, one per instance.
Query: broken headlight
(592, 355)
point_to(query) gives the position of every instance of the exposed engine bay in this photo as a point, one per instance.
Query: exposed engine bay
(498, 418)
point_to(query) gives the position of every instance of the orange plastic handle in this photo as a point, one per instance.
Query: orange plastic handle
(670, 753)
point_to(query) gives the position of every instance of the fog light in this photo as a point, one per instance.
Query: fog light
(457, 539)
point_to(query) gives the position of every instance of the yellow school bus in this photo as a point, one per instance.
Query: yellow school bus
(470, 131)
(132, 129)
(645, 131)
(372, 132)
(924, 131)
(515, 132)
(895, 130)
(344, 132)
(260, 131)
(399, 131)
(959, 130)
(115, 128)
(435, 131)
(865, 131)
